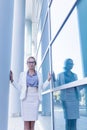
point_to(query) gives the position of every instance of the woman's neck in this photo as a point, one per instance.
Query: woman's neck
(68, 72)
(31, 72)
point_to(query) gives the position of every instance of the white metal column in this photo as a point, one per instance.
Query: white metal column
(6, 22)
(17, 64)
(28, 38)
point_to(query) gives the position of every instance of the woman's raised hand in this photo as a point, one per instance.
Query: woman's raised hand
(11, 76)
(49, 76)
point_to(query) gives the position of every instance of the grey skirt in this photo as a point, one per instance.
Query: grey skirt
(30, 105)
(71, 109)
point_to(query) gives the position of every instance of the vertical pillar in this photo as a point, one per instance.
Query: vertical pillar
(46, 106)
(28, 37)
(34, 37)
(82, 20)
(17, 64)
(6, 19)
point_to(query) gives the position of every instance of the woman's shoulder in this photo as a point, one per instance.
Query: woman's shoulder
(75, 75)
(38, 73)
(23, 73)
(61, 73)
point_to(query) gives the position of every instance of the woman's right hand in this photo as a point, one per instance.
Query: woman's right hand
(11, 76)
(49, 76)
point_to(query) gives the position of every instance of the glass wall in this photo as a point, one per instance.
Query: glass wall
(59, 121)
(43, 13)
(58, 39)
(59, 11)
(45, 37)
(67, 45)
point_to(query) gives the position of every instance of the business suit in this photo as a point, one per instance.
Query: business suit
(69, 96)
(30, 86)
(21, 85)
(30, 112)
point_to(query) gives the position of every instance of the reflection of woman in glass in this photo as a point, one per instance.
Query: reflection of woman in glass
(70, 96)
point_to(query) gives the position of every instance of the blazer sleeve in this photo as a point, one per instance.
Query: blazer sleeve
(41, 84)
(18, 85)
(60, 79)
(75, 75)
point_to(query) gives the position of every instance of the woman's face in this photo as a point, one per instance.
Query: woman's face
(69, 64)
(31, 63)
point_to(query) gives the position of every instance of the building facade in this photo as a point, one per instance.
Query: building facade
(58, 31)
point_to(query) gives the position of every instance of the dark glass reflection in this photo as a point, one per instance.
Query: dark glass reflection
(69, 104)
(59, 121)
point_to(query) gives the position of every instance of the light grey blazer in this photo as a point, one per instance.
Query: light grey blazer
(61, 81)
(21, 85)
(70, 99)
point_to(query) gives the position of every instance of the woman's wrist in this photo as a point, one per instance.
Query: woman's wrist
(48, 80)
(12, 81)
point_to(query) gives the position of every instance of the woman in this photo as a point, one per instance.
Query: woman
(69, 96)
(30, 85)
